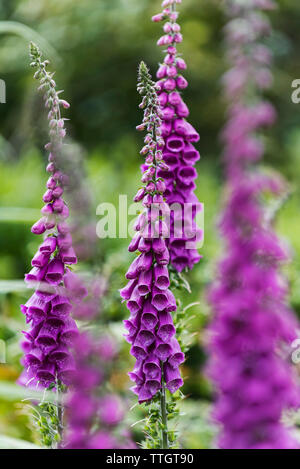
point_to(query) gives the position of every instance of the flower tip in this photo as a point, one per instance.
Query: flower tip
(64, 103)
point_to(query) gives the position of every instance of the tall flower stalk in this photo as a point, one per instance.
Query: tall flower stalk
(253, 324)
(179, 152)
(47, 346)
(151, 331)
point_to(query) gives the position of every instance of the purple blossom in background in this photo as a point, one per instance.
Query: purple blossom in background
(253, 325)
(179, 152)
(151, 331)
(93, 412)
(47, 357)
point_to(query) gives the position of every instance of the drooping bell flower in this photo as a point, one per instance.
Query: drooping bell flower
(179, 152)
(150, 328)
(253, 326)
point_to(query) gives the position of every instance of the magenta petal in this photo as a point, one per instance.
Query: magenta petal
(173, 378)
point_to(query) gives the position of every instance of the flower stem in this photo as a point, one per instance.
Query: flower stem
(164, 420)
(60, 412)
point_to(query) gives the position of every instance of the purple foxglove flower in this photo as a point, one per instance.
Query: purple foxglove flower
(48, 336)
(151, 368)
(153, 385)
(145, 245)
(133, 246)
(55, 272)
(145, 394)
(63, 228)
(145, 338)
(175, 143)
(138, 352)
(49, 245)
(46, 373)
(149, 317)
(48, 309)
(163, 258)
(161, 277)
(147, 293)
(182, 110)
(169, 84)
(145, 282)
(68, 256)
(59, 354)
(145, 262)
(34, 357)
(181, 186)
(159, 299)
(166, 328)
(45, 291)
(58, 205)
(166, 129)
(39, 227)
(173, 378)
(168, 113)
(47, 209)
(186, 175)
(252, 324)
(37, 308)
(126, 292)
(50, 222)
(190, 154)
(159, 245)
(162, 350)
(60, 306)
(48, 196)
(177, 357)
(36, 274)
(135, 302)
(66, 370)
(172, 160)
(137, 375)
(69, 332)
(132, 272)
(57, 192)
(64, 241)
(40, 259)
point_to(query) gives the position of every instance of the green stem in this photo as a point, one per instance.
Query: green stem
(164, 420)
(60, 412)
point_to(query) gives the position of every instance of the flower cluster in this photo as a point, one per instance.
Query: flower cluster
(150, 327)
(252, 322)
(93, 413)
(47, 343)
(179, 152)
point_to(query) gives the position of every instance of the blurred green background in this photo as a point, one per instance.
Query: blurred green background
(95, 47)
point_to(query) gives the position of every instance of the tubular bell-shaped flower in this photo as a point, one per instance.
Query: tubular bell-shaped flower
(47, 357)
(179, 153)
(252, 323)
(150, 326)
